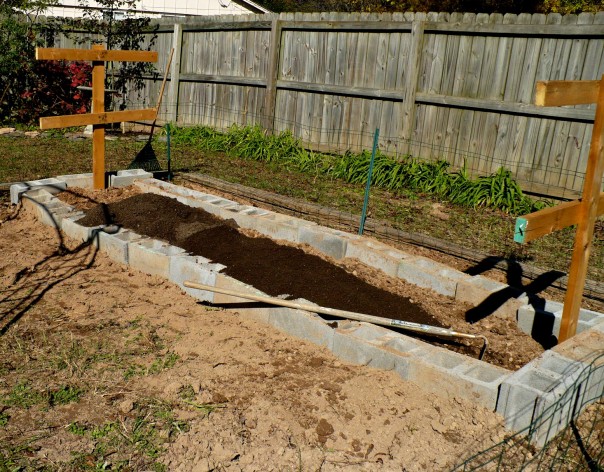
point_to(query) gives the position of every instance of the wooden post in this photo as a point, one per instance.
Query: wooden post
(583, 212)
(175, 74)
(98, 117)
(98, 130)
(272, 75)
(588, 212)
(417, 42)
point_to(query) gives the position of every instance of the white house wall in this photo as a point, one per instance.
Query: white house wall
(158, 8)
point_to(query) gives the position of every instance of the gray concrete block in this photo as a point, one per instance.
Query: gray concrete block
(323, 239)
(152, 256)
(77, 180)
(411, 271)
(376, 255)
(51, 185)
(16, 190)
(194, 269)
(497, 298)
(521, 391)
(302, 324)
(258, 311)
(42, 211)
(124, 178)
(554, 408)
(115, 244)
(77, 232)
(357, 351)
(451, 374)
(39, 195)
(271, 227)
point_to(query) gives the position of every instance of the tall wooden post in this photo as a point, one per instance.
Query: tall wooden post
(98, 130)
(588, 212)
(582, 213)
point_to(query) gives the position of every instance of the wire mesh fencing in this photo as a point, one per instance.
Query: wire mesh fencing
(542, 446)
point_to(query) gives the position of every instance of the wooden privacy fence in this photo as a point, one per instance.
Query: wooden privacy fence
(452, 86)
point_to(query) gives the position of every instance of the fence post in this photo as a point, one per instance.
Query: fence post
(175, 74)
(417, 42)
(272, 75)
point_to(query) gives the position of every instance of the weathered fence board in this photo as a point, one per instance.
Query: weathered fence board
(454, 86)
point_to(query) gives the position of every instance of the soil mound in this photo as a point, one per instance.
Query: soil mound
(260, 262)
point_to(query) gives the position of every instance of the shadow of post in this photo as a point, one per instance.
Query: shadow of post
(543, 325)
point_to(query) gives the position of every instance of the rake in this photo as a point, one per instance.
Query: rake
(146, 158)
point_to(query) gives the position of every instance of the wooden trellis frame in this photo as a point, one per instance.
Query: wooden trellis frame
(98, 117)
(583, 212)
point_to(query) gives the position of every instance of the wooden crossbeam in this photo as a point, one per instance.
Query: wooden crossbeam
(548, 220)
(99, 117)
(582, 213)
(66, 121)
(104, 55)
(557, 93)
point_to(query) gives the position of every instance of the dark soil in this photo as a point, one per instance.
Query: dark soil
(260, 262)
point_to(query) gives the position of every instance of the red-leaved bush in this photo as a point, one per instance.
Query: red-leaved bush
(50, 88)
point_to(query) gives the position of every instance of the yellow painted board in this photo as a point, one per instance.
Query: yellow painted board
(55, 54)
(66, 121)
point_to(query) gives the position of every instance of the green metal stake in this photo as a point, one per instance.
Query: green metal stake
(168, 151)
(368, 187)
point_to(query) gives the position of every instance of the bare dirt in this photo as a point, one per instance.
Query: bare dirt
(297, 271)
(105, 368)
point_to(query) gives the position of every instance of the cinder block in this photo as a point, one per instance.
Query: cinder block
(329, 242)
(42, 211)
(448, 373)
(152, 256)
(302, 324)
(371, 353)
(494, 297)
(194, 269)
(77, 232)
(554, 408)
(77, 180)
(115, 243)
(584, 346)
(124, 178)
(244, 306)
(417, 271)
(272, 227)
(375, 255)
(521, 390)
(39, 195)
(51, 185)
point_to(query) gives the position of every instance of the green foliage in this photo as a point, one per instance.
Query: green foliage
(142, 433)
(30, 89)
(23, 396)
(130, 33)
(4, 417)
(483, 6)
(64, 395)
(498, 190)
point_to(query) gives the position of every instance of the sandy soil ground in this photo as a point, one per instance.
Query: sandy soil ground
(240, 395)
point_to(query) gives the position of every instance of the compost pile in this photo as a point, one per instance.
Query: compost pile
(275, 269)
